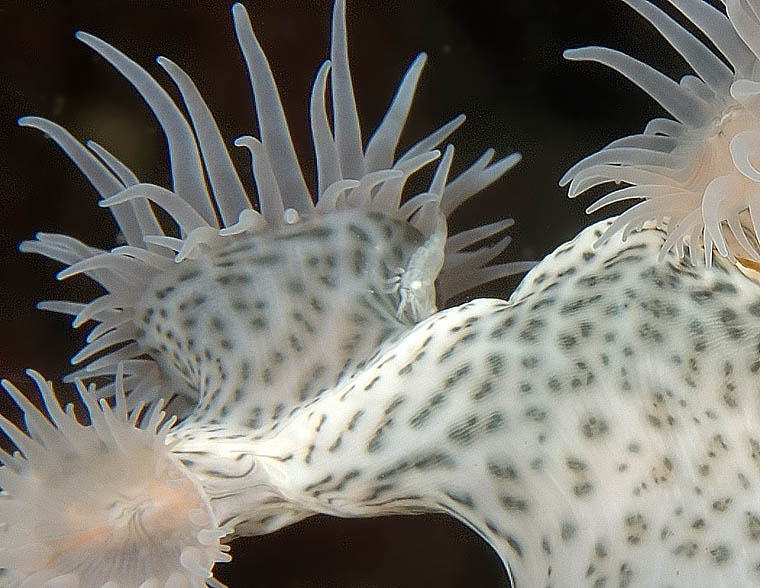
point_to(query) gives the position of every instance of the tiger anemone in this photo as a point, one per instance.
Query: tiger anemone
(227, 307)
(696, 174)
(214, 218)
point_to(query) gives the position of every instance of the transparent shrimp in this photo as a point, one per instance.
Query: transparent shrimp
(415, 284)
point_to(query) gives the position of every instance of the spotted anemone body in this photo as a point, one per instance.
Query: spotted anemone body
(585, 451)
(269, 321)
(597, 429)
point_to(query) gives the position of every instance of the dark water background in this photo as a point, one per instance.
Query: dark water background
(499, 62)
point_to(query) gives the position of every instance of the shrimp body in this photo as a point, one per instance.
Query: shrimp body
(415, 284)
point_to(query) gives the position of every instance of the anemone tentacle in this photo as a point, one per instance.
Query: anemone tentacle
(695, 175)
(212, 209)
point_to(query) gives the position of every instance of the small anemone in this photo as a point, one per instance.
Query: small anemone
(698, 176)
(101, 505)
(210, 205)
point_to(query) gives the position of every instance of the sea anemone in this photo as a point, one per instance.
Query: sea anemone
(698, 174)
(103, 504)
(213, 211)
(596, 429)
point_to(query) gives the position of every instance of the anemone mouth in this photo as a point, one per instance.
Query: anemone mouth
(103, 504)
(696, 175)
(210, 206)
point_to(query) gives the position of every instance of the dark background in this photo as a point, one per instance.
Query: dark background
(499, 62)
